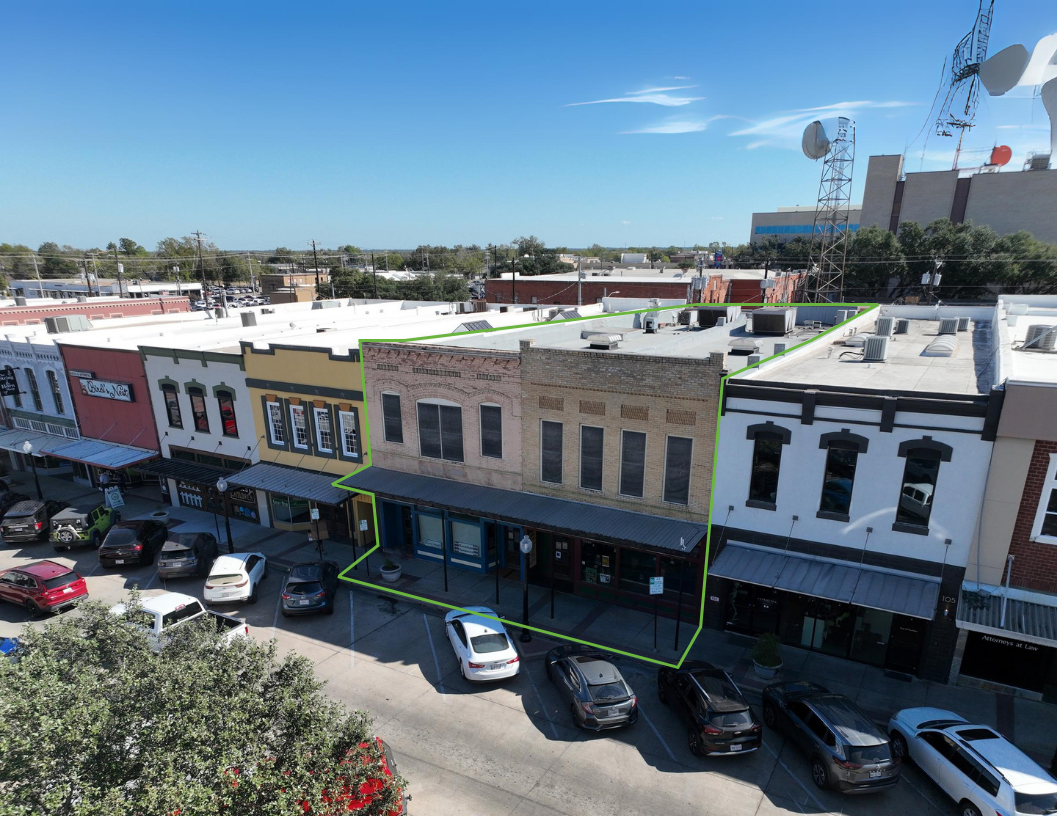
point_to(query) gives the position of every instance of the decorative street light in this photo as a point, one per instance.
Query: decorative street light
(526, 548)
(27, 448)
(222, 486)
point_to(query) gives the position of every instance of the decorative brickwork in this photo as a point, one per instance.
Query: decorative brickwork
(638, 412)
(594, 407)
(1034, 562)
(551, 403)
(676, 417)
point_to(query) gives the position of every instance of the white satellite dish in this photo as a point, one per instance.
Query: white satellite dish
(815, 143)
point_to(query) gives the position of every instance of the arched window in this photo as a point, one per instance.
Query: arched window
(198, 409)
(226, 401)
(172, 405)
(56, 392)
(768, 440)
(38, 403)
(920, 474)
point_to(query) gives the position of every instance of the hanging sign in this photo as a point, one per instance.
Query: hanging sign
(8, 383)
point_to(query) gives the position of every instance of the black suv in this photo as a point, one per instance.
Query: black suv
(132, 542)
(718, 718)
(27, 520)
(9, 499)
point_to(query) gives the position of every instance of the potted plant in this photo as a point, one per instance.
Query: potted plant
(767, 656)
(160, 515)
(391, 571)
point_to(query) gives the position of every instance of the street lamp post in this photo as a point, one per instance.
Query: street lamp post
(222, 487)
(27, 448)
(526, 548)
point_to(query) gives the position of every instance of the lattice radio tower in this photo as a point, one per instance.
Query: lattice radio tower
(829, 233)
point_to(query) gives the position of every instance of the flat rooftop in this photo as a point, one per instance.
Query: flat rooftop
(969, 370)
(1026, 364)
(641, 274)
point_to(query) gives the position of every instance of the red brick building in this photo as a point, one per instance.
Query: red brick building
(94, 309)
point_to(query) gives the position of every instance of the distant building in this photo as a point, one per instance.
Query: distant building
(101, 287)
(792, 222)
(633, 258)
(32, 311)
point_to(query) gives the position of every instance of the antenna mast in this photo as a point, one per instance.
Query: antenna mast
(829, 232)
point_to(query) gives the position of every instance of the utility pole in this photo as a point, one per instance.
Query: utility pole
(87, 277)
(249, 263)
(117, 268)
(201, 263)
(386, 260)
(374, 272)
(513, 276)
(40, 283)
(315, 261)
(579, 282)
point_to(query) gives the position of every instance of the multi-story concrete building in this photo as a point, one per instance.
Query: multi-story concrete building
(793, 222)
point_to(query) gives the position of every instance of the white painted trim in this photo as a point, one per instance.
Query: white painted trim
(1040, 512)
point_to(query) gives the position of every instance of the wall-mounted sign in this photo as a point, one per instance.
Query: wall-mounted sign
(657, 585)
(107, 390)
(8, 383)
(84, 375)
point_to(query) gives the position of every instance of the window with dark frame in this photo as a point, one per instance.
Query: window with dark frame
(550, 451)
(198, 409)
(677, 469)
(228, 425)
(33, 389)
(919, 486)
(591, 444)
(766, 463)
(839, 478)
(440, 431)
(632, 463)
(56, 392)
(172, 405)
(392, 421)
(492, 431)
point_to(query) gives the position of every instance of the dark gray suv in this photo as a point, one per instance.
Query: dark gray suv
(847, 751)
(597, 694)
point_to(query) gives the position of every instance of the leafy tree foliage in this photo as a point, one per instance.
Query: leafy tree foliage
(93, 721)
(58, 262)
(437, 286)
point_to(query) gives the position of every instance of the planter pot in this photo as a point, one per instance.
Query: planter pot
(391, 575)
(766, 672)
(160, 516)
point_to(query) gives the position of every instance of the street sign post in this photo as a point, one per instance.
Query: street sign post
(656, 590)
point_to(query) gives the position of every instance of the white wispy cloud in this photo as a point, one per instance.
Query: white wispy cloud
(680, 78)
(659, 90)
(667, 100)
(678, 126)
(785, 129)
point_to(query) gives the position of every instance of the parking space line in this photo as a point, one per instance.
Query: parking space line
(275, 617)
(543, 706)
(436, 663)
(793, 776)
(657, 734)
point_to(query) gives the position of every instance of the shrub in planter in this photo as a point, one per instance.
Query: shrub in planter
(389, 565)
(767, 655)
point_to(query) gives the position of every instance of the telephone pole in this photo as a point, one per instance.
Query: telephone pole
(40, 283)
(201, 263)
(315, 261)
(579, 282)
(374, 272)
(118, 269)
(513, 276)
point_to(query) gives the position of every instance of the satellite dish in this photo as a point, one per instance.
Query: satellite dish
(815, 143)
(1000, 156)
(1001, 72)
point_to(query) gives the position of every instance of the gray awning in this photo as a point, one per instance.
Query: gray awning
(543, 512)
(981, 611)
(848, 583)
(300, 484)
(102, 454)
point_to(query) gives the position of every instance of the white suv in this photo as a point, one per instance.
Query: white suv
(976, 766)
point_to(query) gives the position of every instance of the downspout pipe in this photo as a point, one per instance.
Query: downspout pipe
(1005, 595)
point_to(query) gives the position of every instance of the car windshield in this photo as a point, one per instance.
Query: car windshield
(60, 580)
(1035, 803)
(869, 754)
(608, 691)
(223, 580)
(120, 536)
(731, 719)
(304, 588)
(486, 644)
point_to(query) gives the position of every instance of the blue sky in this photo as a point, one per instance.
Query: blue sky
(390, 125)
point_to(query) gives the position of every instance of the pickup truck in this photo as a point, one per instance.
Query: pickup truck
(161, 613)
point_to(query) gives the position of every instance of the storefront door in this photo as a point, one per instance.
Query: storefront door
(563, 563)
(598, 565)
(905, 642)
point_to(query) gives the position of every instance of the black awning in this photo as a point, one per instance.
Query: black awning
(184, 471)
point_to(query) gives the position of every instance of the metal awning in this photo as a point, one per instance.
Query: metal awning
(12, 440)
(847, 583)
(184, 471)
(95, 452)
(288, 481)
(542, 512)
(980, 610)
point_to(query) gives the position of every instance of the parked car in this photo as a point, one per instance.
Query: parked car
(342, 797)
(596, 692)
(976, 766)
(235, 577)
(28, 520)
(9, 500)
(44, 586)
(310, 587)
(162, 613)
(186, 554)
(132, 542)
(482, 646)
(846, 750)
(73, 526)
(718, 718)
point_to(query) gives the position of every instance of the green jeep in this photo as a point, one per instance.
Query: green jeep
(73, 527)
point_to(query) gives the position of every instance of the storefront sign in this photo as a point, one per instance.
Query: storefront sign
(8, 384)
(466, 548)
(106, 389)
(114, 497)
(83, 375)
(657, 585)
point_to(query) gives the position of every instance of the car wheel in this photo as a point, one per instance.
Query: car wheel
(286, 614)
(253, 595)
(575, 716)
(899, 745)
(662, 695)
(818, 774)
(693, 741)
(967, 808)
(770, 716)
(31, 607)
(330, 607)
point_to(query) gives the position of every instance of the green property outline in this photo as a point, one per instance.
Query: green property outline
(866, 307)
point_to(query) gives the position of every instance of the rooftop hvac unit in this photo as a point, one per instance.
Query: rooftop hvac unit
(708, 316)
(948, 325)
(779, 348)
(902, 326)
(754, 359)
(651, 323)
(884, 326)
(1040, 338)
(773, 321)
(721, 321)
(603, 341)
(248, 318)
(684, 317)
(69, 323)
(875, 350)
(20, 301)
(963, 324)
(267, 311)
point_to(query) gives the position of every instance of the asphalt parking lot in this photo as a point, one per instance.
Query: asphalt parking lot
(508, 748)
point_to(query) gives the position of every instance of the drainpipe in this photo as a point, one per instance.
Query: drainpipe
(1005, 595)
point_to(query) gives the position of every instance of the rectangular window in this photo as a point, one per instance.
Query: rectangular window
(32, 377)
(677, 469)
(440, 431)
(919, 485)
(198, 409)
(324, 435)
(632, 463)
(227, 413)
(298, 426)
(551, 451)
(766, 461)
(591, 457)
(1045, 527)
(276, 427)
(350, 444)
(56, 393)
(838, 479)
(492, 431)
(393, 423)
(172, 406)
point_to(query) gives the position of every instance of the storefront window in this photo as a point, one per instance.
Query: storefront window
(466, 539)
(678, 572)
(598, 563)
(636, 569)
(431, 532)
(827, 627)
(869, 641)
(289, 510)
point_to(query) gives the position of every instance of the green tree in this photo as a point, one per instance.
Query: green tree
(58, 262)
(94, 721)
(130, 247)
(875, 266)
(16, 261)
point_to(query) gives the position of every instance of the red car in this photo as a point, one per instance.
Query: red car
(45, 586)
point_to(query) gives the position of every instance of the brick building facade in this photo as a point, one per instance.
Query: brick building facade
(1034, 562)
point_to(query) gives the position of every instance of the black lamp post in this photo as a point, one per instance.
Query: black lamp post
(222, 486)
(526, 548)
(27, 448)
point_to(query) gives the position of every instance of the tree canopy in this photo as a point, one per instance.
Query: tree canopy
(93, 721)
